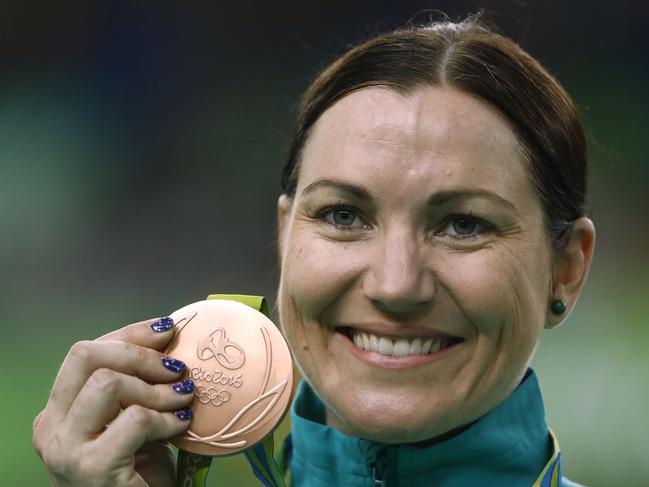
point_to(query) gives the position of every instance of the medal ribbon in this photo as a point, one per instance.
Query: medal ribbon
(192, 469)
(551, 474)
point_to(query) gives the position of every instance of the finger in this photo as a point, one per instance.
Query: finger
(38, 438)
(137, 425)
(37, 435)
(86, 357)
(154, 333)
(107, 392)
(36, 421)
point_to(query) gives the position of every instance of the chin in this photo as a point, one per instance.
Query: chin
(387, 422)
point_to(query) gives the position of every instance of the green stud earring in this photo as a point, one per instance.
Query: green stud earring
(558, 307)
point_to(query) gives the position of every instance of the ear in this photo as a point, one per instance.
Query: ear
(571, 267)
(284, 206)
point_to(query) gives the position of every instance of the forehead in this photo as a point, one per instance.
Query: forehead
(436, 135)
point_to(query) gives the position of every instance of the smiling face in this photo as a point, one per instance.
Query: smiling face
(415, 273)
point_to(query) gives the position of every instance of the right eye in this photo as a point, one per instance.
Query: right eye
(341, 217)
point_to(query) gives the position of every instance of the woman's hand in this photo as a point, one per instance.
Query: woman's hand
(81, 436)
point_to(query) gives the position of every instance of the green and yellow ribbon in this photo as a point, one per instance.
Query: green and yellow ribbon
(551, 474)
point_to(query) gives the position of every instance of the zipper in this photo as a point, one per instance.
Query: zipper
(377, 478)
(378, 466)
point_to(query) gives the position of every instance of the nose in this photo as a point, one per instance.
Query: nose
(397, 279)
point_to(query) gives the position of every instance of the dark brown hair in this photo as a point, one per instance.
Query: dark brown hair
(473, 58)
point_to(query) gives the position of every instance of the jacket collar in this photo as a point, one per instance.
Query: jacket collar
(514, 433)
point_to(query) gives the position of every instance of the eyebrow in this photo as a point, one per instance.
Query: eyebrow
(444, 197)
(438, 199)
(358, 192)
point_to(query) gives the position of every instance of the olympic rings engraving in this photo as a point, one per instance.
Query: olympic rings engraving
(212, 395)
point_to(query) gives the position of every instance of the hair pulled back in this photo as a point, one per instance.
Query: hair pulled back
(470, 57)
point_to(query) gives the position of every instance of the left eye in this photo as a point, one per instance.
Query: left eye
(462, 226)
(344, 217)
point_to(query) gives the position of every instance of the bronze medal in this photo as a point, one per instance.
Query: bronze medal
(242, 370)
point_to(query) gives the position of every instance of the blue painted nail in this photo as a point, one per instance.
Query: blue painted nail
(184, 387)
(185, 414)
(172, 364)
(162, 325)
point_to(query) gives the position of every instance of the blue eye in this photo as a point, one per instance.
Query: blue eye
(343, 216)
(464, 226)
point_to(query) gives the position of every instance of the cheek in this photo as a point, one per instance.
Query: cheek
(315, 274)
(502, 291)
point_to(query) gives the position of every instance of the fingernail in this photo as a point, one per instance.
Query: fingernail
(162, 325)
(173, 364)
(185, 414)
(184, 387)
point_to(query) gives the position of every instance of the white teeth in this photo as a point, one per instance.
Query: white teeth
(385, 346)
(374, 343)
(398, 347)
(366, 341)
(401, 347)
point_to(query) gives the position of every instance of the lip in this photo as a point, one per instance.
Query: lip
(398, 331)
(382, 361)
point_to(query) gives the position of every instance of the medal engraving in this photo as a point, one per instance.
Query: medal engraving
(212, 395)
(216, 344)
(242, 370)
(218, 377)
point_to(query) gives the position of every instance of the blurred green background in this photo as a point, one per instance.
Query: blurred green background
(140, 151)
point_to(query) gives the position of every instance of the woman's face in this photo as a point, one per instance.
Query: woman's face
(415, 272)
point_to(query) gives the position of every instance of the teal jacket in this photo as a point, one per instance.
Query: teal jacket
(509, 446)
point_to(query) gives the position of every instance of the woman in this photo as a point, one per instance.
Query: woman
(432, 224)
